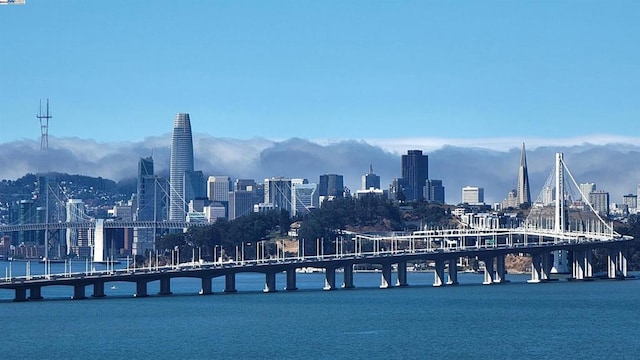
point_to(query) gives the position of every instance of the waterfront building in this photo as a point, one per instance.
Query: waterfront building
(415, 172)
(181, 162)
(370, 180)
(473, 195)
(523, 193)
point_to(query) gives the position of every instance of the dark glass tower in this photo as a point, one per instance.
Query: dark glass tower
(181, 162)
(415, 172)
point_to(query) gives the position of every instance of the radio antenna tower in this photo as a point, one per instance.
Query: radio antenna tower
(44, 126)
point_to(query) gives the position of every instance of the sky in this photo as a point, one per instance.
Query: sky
(301, 88)
(414, 73)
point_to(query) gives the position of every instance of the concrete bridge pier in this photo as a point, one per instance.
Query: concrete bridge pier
(546, 266)
(402, 274)
(98, 289)
(165, 286)
(206, 286)
(230, 283)
(347, 282)
(617, 264)
(501, 270)
(536, 268)
(488, 271)
(453, 271)
(438, 274)
(386, 282)
(329, 279)
(291, 280)
(270, 282)
(141, 289)
(78, 292)
(21, 295)
(35, 293)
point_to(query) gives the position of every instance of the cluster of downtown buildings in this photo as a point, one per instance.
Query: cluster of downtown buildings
(188, 196)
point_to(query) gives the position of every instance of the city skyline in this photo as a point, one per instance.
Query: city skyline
(467, 75)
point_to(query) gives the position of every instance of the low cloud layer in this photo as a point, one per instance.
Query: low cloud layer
(612, 163)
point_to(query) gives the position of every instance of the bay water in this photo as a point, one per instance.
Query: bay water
(561, 319)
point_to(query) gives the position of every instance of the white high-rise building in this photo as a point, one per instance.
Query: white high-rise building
(181, 162)
(586, 189)
(473, 195)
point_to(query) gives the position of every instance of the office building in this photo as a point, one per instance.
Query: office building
(218, 188)
(523, 192)
(434, 191)
(370, 180)
(631, 200)
(586, 189)
(277, 192)
(304, 197)
(473, 195)
(330, 186)
(415, 172)
(181, 162)
(599, 199)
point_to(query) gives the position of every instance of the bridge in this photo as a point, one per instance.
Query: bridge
(551, 244)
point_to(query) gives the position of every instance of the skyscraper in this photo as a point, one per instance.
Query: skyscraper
(523, 192)
(330, 186)
(415, 172)
(370, 180)
(181, 162)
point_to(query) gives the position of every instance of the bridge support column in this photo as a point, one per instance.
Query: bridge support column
(141, 289)
(98, 289)
(546, 266)
(165, 286)
(329, 279)
(347, 281)
(588, 263)
(402, 274)
(291, 280)
(206, 286)
(560, 262)
(230, 283)
(578, 269)
(270, 282)
(488, 271)
(385, 282)
(501, 271)
(536, 268)
(35, 293)
(438, 274)
(21, 295)
(78, 292)
(617, 264)
(453, 271)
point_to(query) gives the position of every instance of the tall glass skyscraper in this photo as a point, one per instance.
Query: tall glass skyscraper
(415, 172)
(181, 162)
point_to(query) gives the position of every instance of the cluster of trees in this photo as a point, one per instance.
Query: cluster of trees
(226, 235)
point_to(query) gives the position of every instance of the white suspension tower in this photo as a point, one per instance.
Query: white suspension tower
(560, 260)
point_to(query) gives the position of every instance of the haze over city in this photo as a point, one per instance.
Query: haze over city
(330, 87)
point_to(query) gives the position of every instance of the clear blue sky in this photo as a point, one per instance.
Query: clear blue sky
(119, 70)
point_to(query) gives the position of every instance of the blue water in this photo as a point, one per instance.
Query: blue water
(576, 320)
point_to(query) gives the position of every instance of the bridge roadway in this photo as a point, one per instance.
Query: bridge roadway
(444, 255)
